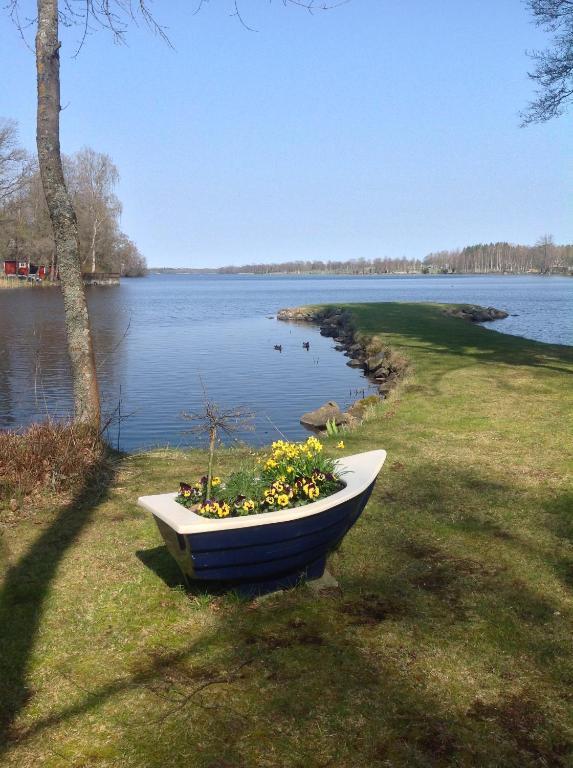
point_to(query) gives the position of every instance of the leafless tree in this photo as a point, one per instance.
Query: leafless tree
(546, 247)
(553, 72)
(92, 178)
(14, 161)
(25, 227)
(212, 420)
(482, 258)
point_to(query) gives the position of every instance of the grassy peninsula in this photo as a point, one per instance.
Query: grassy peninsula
(449, 643)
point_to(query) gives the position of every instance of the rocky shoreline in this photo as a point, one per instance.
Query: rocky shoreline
(383, 366)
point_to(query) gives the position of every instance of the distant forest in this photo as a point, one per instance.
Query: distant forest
(25, 228)
(544, 257)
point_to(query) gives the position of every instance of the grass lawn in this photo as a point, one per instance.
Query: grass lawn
(449, 644)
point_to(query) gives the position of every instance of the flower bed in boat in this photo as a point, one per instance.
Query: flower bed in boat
(291, 475)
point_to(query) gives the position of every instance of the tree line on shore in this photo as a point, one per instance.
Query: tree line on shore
(25, 227)
(544, 257)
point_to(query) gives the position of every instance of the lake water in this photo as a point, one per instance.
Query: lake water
(160, 339)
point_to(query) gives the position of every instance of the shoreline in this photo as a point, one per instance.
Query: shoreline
(174, 272)
(381, 365)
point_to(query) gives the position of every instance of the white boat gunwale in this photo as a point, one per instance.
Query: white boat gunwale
(358, 472)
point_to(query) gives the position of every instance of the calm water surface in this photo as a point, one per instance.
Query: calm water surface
(157, 338)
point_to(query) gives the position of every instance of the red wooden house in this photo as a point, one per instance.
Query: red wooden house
(24, 268)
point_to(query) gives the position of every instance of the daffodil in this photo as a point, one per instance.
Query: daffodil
(340, 444)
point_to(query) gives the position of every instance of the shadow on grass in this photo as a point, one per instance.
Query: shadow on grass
(163, 565)
(427, 324)
(366, 678)
(27, 585)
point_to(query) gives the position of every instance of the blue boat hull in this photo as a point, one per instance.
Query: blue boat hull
(262, 558)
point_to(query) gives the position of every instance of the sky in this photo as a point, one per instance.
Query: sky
(375, 129)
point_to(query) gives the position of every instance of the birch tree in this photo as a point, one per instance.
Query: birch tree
(14, 160)
(94, 177)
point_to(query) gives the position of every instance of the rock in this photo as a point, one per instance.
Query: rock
(358, 408)
(375, 362)
(298, 315)
(328, 412)
(339, 348)
(477, 314)
(355, 351)
(381, 374)
(329, 331)
(325, 583)
(355, 363)
(14, 505)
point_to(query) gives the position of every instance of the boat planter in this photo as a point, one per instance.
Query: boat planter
(271, 550)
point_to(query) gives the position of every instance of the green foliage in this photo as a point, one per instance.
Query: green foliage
(331, 428)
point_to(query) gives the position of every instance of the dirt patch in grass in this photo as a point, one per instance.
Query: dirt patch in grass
(522, 720)
(371, 609)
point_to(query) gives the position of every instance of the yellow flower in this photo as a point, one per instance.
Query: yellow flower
(248, 505)
(290, 470)
(223, 510)
(270, 500)
(340, 444)
(282, 500)
(314, 444)
(311, 490)
(215, 481)
(186, 494)
(271, 464)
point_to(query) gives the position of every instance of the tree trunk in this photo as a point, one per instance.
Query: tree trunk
(62, 215)
(93, 247)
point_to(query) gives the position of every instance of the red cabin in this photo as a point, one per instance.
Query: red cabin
(24, 268)
(11, 267)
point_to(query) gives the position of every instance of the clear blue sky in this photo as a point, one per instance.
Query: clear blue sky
(376, 129)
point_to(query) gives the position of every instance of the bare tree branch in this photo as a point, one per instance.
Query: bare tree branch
(554, 66)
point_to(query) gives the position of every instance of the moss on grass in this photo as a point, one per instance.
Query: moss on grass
(449, 644)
